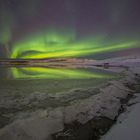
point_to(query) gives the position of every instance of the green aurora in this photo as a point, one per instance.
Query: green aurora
(114, 18)
(57, 45)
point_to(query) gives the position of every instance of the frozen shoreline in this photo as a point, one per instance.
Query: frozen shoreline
(42, 123)
(127, 126)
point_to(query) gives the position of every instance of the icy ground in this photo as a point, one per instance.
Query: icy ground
(40, 123)
(127, 126)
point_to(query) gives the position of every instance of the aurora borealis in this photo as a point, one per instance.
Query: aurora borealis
(55, 45)
(42, 29)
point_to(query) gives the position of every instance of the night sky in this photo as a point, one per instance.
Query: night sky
(112, 19)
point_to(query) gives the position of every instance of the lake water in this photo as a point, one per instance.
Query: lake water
(36, 80)
(20, 96)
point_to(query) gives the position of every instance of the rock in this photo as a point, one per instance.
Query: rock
(34, 128)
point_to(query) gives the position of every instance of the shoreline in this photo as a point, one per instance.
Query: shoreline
(99, 125)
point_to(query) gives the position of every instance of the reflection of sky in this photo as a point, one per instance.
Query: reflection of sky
(108, 18)
(56, 73)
